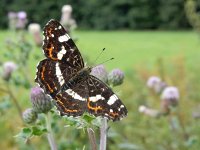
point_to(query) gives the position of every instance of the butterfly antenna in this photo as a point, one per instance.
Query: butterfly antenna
(103, 62)
(99, 55)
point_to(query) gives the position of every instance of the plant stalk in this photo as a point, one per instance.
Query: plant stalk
(103, 134)
(50, 136)
(92, 139)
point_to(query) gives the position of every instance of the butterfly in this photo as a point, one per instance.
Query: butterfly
(64, 77)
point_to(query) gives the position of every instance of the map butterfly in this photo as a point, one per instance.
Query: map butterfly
(63, 76)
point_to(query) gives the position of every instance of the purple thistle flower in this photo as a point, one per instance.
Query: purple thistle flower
(21, 15)
(100, 72)
(115, 77)
(12, 15)
(40, 101)
(170, 97)
(156, 84)
(8, 68)
(29, 116)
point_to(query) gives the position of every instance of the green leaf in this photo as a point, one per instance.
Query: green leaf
(38, 131)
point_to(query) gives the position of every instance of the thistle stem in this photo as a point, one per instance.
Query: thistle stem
(92, 139)
(103, 134)
(14, 99)
(50, 137)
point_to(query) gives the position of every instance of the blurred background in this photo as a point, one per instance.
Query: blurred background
(156, 46)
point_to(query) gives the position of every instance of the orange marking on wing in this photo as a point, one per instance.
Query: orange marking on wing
(113, 114)
(51, 52)
(93, 108)
(62, 104)
(42, 76)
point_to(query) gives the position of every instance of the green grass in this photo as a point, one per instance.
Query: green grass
(130, 48)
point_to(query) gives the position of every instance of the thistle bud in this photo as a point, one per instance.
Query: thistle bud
(100, 72)
(40, 101)
(29, 116)
(115, 77)
(8, 68)
(170, 97)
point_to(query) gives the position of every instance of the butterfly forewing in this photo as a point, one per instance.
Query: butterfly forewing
(58, 45)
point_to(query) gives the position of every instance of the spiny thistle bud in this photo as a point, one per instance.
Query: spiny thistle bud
(115, 77)
(29, 116)
(169, 97)
(40, 101)
(8, 68)
(156, 84)
(100, 72)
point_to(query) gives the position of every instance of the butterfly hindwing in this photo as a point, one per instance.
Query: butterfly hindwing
(72, 102)
(102, 101)
(51, 75)
(58, 45)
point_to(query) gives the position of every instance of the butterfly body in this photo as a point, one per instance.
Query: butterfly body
(80, 76)
(64, 77)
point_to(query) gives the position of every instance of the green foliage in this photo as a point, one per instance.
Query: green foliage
(118, 14)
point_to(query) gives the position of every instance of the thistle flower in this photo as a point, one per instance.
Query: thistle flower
(156, 84)
(115, 77)
(100, 72)
(170, 97)
(22, 20)
(29, 116)
(149, 112)
(40, 101)
(8, 68)
(12, 18)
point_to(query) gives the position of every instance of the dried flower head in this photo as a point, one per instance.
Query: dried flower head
(8, 68)
(40, 101)
(115, 77)
(170, 97)
(100, 72)
(29, 116)
(67, 8)
(34, 28)
(149, 112)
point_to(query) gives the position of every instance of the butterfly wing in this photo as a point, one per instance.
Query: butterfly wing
(59, 46)
(72, 102)
(102, 101)
(63, 59)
